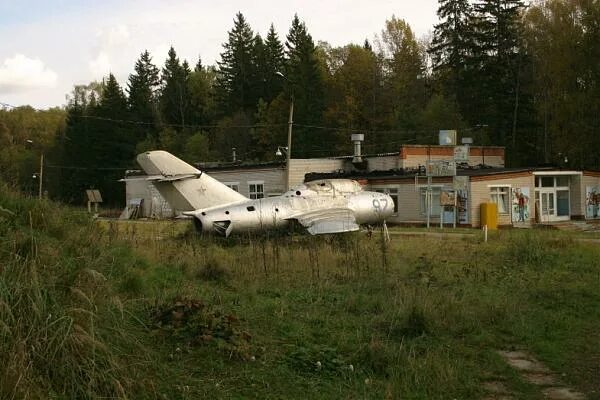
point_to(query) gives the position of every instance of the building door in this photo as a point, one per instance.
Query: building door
(547, 209)
(553, 198)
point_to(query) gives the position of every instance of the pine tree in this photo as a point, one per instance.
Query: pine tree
(174, 98)
(304, 75)
(274, 62)
(97, 145)
(114, 143)
(142, 87)
(498, 41)
(237, 71)
(451, 46)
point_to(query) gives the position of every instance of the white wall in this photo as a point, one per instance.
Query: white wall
(300, 167)
(273, 179)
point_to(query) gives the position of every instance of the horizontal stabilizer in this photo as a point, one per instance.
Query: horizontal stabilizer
(173, 178)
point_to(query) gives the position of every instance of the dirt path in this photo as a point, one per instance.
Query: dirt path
(534, 372)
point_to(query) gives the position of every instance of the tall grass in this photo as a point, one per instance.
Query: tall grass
(59, 316)
(281, 316)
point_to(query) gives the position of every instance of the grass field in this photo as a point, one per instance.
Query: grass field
(89, 312)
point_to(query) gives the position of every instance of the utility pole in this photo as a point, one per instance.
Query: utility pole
(289, 142)
(41, 175)
(290, 125)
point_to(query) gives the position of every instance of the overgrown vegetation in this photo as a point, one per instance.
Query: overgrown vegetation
(87, 315)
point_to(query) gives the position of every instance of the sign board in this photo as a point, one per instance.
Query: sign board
(461, 153)
(93, 196)
(447, 198)
(448, 138)
(441, 168)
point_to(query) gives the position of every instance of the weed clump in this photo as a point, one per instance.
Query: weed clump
(190, 322)
(415, 323)
(529, 248)
(315, 359)
(376, 356)
(213, 271)
(412, 325)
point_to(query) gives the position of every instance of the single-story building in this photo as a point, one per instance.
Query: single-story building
(522, 195)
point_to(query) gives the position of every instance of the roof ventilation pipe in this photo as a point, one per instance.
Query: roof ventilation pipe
(357, 138)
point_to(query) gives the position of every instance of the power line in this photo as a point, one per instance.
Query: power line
(88, 168)
(181, 125)
(216, 126)
(296, 125)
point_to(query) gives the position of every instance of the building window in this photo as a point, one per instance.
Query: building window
(435, 201)
(499, 195)
(233, 185)
(256, 190)
(393, 193)
(562, 181)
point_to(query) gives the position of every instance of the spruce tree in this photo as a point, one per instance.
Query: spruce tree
(451, 47)
(114, 142)
(174, 98)
(99, 143)
(274, 62)
(498, 41)
(237, 71)
(141, 87)
(304, 78)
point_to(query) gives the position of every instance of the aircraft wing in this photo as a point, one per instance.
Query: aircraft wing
(331, 220)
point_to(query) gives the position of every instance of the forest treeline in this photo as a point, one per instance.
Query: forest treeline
(500, 71)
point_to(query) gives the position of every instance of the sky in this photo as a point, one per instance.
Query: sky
(48, 46)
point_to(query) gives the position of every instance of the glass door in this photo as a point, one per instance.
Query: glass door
(547, 206)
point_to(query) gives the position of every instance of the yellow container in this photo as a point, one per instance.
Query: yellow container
(489, 215)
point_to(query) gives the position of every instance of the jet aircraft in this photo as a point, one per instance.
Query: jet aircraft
(321, 206)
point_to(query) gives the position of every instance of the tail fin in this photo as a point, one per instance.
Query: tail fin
(183, 186)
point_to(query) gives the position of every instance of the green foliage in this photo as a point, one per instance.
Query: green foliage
(19, 160)
(117, 313)
(174, 92)
(440, 111)
(238, 68)
(142, 97)
(304, 81)
(197, 148)
(97, 152)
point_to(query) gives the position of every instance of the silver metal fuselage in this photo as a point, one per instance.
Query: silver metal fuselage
(270, 213)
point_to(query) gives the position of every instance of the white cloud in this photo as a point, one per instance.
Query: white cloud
(88, 42)
(114, 35)
(21, 73)
(100, 66)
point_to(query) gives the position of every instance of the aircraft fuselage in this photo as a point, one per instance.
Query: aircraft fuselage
(363, 207)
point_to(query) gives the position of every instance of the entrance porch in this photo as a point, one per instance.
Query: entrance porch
(553, 195)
